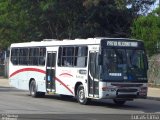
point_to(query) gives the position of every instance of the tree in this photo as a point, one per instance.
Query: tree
(34, 20)
(147, 28)
(19, 21)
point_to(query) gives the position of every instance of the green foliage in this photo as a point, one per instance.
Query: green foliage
(154, 71)
(147, 28)
(34, 20)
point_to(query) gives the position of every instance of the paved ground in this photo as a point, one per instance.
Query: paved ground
(17, 104)
(153, 93)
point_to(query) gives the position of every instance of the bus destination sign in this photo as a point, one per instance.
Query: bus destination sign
(122, 43)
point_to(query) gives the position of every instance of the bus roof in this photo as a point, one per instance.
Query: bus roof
(56, 42)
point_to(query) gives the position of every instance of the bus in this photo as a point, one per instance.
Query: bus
(92, 68)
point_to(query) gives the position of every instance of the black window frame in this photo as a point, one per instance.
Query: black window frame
(71, 54)
(29, 56)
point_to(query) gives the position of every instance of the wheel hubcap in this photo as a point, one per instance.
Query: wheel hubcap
(81, 95)
(32, 90)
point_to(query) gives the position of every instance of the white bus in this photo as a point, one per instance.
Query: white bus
(93, 68)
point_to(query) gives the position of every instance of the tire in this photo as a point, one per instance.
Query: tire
(81, 96)
(33, 90)
(119, 102)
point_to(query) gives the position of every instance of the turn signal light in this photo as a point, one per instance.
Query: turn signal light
(104, 88)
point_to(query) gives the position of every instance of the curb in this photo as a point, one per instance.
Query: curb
(154, 98)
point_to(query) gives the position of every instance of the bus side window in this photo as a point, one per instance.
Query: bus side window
(60, 56)
(72, 56)
(65, 56)
(14, 56)
(82, 56)
(42, 55)
(31, 56)
(69, 56)
(35, 56)
(23, 56)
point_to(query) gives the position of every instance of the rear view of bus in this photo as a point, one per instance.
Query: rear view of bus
(123, 70)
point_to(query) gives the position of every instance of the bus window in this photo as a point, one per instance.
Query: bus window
(42, 55)
(73, 56)
(66, 56)
(114, 60)
(60, 56)
(67, 59)
(82, 56)
(15, 56)
(33, 56)
(23, 56)
(135, 59)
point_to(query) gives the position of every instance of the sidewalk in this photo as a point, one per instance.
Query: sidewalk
(153, 93)
(4, 82)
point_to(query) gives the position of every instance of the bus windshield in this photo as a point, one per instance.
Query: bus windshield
(122, 62)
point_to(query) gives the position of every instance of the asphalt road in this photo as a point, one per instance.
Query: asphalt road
(13, 101)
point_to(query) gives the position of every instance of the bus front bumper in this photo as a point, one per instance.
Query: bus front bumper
(123, 94)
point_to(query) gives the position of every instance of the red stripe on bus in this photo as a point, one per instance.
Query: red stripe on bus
(66, 74)
(41, 71)
(27, 69)
(63, 84)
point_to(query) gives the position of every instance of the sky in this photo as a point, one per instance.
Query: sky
(155, 5)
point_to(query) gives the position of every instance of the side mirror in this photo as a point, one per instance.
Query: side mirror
(100, 60)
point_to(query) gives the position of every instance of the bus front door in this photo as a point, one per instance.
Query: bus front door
(93, 75)
(50, 71)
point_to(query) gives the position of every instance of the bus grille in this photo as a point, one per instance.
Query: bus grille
(126, 85)
(127, 90)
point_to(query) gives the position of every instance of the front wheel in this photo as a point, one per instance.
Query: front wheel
(119, 102)
(81, 95)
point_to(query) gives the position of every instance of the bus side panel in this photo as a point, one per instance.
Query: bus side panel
(13, 82)
(66, 79)
(17, 78)
(39, 78)
(21, 77)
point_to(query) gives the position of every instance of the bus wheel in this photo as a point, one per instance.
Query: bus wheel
(119, 102)
(81, 95)
(33, 89)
